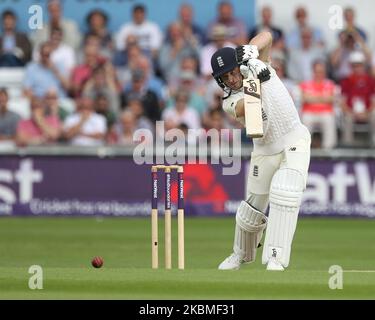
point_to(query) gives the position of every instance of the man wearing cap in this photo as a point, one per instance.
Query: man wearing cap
(358, 101)
(218, 39)
(236, 29)
(279, 161)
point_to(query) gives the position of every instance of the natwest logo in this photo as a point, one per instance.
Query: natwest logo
(25, 176)
(347, 182)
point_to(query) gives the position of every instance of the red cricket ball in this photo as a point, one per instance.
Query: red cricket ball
(97, 262)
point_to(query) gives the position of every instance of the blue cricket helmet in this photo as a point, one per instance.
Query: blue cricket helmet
(223, 61)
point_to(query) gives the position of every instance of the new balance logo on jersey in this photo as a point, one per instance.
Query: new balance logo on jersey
(255, 171)
(220, 61)
(274, 252)
(293, 149)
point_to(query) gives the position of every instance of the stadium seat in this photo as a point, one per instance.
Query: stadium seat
(20, 105)
(361, 131)
(12, 78)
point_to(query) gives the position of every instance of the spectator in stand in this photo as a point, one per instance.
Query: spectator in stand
(188, 64)
(151, 104)
(97, 24)
(85, 127)
(126, 125)
(62, 56)
(293, 38)
(267, 25)
(300, 60)
(236, 29)
(153, 82)
(42, 128)
(15, 47)
(358, 92)
(126, 128)
(132, 58)
(279, 64)
(290, 85)
(102, 107)
(51, 102)
(8, 120)
(181, 112)
(218, 39)
(148, 33)
(71, 35)
(44, 75)
(188, 81)
(215, 120)
(173, 51)
(123, 58)
(129, 123)
(349, 16)
(191, 32)
(135, 106)
(213, 95)
(124, 73)
(318, 96)
(94, 40)
(83, 72)
(103, 83)
(349, 42)
(217, 128)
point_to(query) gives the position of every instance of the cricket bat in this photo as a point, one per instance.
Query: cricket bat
(253, 108)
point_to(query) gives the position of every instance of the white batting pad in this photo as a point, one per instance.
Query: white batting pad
(285, 200)
(250, 224)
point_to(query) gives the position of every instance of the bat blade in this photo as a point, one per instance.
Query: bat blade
(253, 108)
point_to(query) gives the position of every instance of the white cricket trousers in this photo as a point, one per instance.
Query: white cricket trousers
(263, 167)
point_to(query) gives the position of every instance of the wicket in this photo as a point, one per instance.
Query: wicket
(167, 217)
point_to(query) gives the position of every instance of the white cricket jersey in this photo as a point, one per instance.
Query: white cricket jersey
(281, 123)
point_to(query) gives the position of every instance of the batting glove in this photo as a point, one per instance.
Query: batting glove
(246, 52)
(258, 69)
(244, 69)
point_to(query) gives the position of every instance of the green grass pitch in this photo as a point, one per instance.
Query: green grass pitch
(64, 247)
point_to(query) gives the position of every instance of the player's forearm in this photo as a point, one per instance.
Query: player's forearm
(263, 41)
(240, 109)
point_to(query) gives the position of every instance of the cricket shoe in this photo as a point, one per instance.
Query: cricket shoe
(233, 262)
(274, 265)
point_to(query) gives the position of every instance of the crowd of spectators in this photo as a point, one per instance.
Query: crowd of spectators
(124, 81)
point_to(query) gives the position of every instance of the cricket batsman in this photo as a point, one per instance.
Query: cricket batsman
(279, 161)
